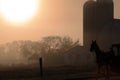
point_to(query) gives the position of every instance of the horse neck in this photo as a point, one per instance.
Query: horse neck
(97, 50)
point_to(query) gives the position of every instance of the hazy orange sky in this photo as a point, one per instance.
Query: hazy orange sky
(54, 17)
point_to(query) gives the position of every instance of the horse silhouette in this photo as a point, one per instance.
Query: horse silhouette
(103, 59)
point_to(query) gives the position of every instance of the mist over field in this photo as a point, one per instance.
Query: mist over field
(55, 51)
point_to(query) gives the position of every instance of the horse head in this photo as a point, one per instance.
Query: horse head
(93, 46)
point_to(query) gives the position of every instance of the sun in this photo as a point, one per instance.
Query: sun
(18, 11)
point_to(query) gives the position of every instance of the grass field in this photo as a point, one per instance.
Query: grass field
(53, 73)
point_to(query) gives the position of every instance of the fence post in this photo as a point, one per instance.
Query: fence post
(41, 67)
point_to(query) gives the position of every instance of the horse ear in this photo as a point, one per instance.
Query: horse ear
(95, 41)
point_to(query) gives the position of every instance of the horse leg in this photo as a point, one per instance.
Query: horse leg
(107, 73)
(98, 71)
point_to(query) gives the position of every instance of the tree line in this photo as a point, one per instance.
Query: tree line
(32, 50)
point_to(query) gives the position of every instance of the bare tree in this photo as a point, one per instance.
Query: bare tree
(57, 44)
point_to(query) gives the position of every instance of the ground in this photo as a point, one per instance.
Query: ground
(67, 73)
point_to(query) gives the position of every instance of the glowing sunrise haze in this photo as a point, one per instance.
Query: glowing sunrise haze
(34, 19)
(18, 11)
